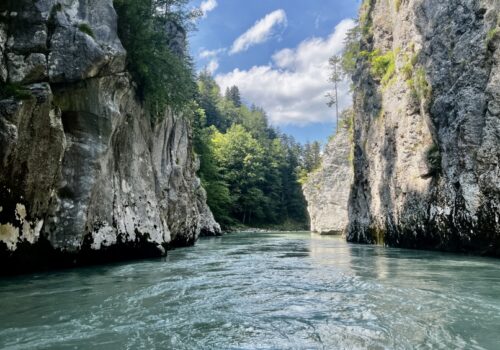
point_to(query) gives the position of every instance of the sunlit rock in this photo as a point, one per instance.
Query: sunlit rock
(327, 189)
(426, 133)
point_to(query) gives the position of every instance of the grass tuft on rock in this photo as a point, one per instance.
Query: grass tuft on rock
(85, 28)
(383, 66)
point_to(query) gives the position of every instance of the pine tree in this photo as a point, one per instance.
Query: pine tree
(335, 77)
(233, 95)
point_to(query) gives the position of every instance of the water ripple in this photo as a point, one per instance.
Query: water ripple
(261, 291)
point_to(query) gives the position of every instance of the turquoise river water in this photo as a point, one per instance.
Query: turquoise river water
(260, 291)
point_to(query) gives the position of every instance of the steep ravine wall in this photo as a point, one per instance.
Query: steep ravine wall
(427, 137)
(327, 189)
(84, 175)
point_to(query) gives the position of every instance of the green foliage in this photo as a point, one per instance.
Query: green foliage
(365, 18)
(421, 83)
(16, 91)
(248, 169)
(336, 72)
(336, 75)
(233, 95)
(419, 86)
(242, 161)
(311, 161)
(383, 66)
(409, 66)
(218, 196)
(164, 78)
(287, 225)
(352, 50)
(303, 176)
(85, 28)
(312, 156)
(492, 33)
(347, 120)
(209, 99)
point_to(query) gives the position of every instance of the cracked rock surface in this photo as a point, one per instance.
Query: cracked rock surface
(84, 176)
(327, 189)
(427, 140)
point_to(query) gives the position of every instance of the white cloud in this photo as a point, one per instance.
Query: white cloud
(292, 88)
(260, 32)
(212, 66)
(212, 56)
(211, 53)
(207, 6)
(208, 53)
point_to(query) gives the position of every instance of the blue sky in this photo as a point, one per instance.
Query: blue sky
(276, 52)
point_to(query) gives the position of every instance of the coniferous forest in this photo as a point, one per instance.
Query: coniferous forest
(250, 170)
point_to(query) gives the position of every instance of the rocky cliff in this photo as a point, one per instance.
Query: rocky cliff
(427, 126)
(327, 189)
(85, 176)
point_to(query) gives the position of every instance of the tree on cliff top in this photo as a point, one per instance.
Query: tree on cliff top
(145, 27)
(336, 75)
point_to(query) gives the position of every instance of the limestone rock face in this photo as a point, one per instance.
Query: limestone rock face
(62, 41)
(3, 41)
(427, 138)
(327, 189)
(84, 175)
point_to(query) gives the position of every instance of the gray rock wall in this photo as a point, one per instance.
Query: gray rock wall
(427, 141)
(84, 175)
(327, 190)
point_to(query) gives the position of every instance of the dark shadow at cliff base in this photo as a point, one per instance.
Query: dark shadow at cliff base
(41, 256)
(447, 233)
(208, 233)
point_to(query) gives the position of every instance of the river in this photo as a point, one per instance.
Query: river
(260, 291)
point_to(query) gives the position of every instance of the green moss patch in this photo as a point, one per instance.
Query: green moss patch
(85, 28)
(383, 66)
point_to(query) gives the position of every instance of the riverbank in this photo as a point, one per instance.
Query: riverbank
(287, 226)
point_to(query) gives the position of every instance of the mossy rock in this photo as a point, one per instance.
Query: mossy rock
(85, 28)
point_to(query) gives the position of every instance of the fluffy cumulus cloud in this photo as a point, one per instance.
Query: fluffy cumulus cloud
(260, 32)
(207, 6)
(293, 86)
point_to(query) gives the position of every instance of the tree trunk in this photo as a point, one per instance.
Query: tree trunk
(337, 108)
